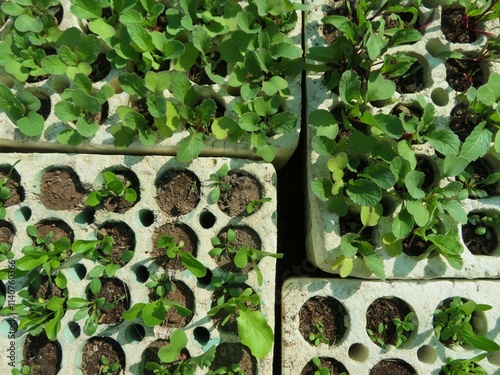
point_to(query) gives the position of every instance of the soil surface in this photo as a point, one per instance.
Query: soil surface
(42, 355)
(461, 121)
(245, 236)
(412, 81)
(244, 188)
(462, 74)
(60, 189)
(7, 232)
(351, 223)
(392, 367)
(14, 185)
(59, 227)
(181, 294)
(124, 239)
(325, 310)
(42, 288)
(95, 349)
(226, 354)
(178, 192)
(179, 232)
(479, 170)
(100, 68)
(454, 26)
(200, 77)
(415, 246)
(334, 367)
(385, 310)
(112, 290)
(113, 203)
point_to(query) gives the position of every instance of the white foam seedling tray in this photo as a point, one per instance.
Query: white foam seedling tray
(356, 351)
(323, 237)
(148, 169)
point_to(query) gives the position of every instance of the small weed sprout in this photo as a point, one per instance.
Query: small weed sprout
(25, 370)
(403, 326)
(484, 224)
(322, 370)
(217, 183)
(376, 337)
(254, 205)
(5, 251)
(107, 367)
(318, 338)
(113, 186)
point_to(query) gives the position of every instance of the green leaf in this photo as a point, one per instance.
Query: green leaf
(25, 23)
(477, 143)
(134, 312)
(141, 37)
(444, 141)
(454, 165)
(156, 82)
(402, 224)
(192, 264)
(364, 192)
(85, 101)
(86, 9)
(375, 264)
(390, 125)
(480, 342)
(250, 122)
(321, 117)
(274, 85)
(381, 175)
(153, 313)
(283, 122)
(101, 28)
(349, 86)
(322, 188)
(286, 50)
(346, 245)
(53, 64)
(413, 183)
(77, 303)
(173, 49)
(456, 211)
(370, 216)
(190, 147)
(132, 84)
(419, 212)
(379, 88)
(201, 39)
(32, 125)
(255, 332)
(12, 8)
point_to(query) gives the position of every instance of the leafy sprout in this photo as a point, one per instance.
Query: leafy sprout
(464, 366)
(377, 337)
(318, 337)
(217, 182)
(113, 187)
(107, 367)
(187, 259)
(402, 327)
(5, 192)
(25, 370)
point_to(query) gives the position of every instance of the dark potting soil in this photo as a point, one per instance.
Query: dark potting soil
(42, 355)
(412, 81)
(114, 291)
(351, 223)
(123, 240)
(462, 74)
(60, 189)
(408, 111)
(100, 68)
(200, 77)
(59, 227)
(181, 294)
(334, 367)
(244, 188)
(151, 355)
(95, 349)
(414, 245)
(339, 8)
(392, 367)
(178, 192)
(385, 310)
(477, 244)
(141, 107)
(461, 121)
(454, 26)
(325, 310)
(245, 236)
(227, 354)
(113, 203)
(7, 232)
(179, 232)
(479, 170)
(45, 107)
(42, 288)
(14, 185)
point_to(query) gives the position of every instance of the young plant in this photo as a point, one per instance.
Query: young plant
(108, 368)
(5, 192)
(22, 109)
(25, 370)
(322, 370)
(377, 337)
(81, 110)
(174, 355)
(253, 329)
(217, 182)
(476, 184)
(187, 259)
(152, 117)
(317, 337)
(477, 12)
(464, 366)
(485, 224)
(234, 369)
(254, 205)
(5, 251)
(113, 187)
(93, 309)
(402, 327)
(45, 254)
(243, 255)
(155, 311)
(453, 322)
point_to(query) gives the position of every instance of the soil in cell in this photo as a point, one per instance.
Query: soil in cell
(462, 74)
(179, 232)
(227, 354)
(116, 292)
(114, 203)
(123, 240)
(151, 355)
(334, 367)
(178, 192)
(244, 189)
(100, 68)
(42, 355)
(7, 232)
(412, 81)
(97, 348)
(180, 293)
(454, 26)
(60, 189)
(392, 367)
(13, 184)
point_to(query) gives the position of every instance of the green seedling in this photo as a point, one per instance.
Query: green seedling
(476, 184)
(403, 327)
(464, 366)
(92, 310)
(318, 337)
(217, 183)
(187, 259)
(477, 12)
(174, 355)
(107, 367)
(255, 205)
(5, 192)
(155, 312)
(5, 251)
(453, 322)
(322, 370)
(113, 187)
(253, 329)
(234, 369)
(25, 370)
(376, 337)
(485, 224)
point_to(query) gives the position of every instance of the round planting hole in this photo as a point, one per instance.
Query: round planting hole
(322, 321)
(113, 291)
(7, 232)
(140, 274)
(86, 216)
(42, 355)
(95, 349)
(178, 192)
(72, 331)
(358, 352)
(77, 272)
(244, 191)
(123, 244)
(201, 335)
(2, 294)
(13, 184)
(177, 235)
(332, 365)
(384, 317)
(150, 354)
(434, 47)
(146, 217)
(23, 214)
(135, 333)
(427, 354)
(205, 280)
(480, 234)
(207, 219)
(440, 97)
(392, 366)
(115, 203)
